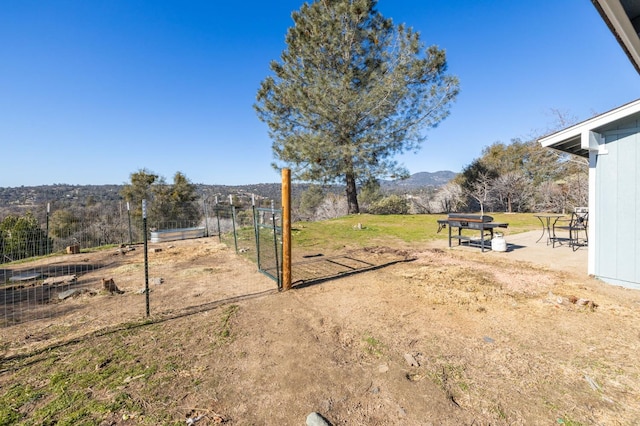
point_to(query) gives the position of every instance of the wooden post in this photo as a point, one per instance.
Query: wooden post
(286, 229)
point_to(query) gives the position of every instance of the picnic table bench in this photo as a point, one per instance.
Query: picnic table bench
(482, 223)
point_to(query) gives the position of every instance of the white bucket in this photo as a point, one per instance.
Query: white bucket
(498, 243)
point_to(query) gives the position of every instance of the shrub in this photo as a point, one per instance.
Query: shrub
(393, 204)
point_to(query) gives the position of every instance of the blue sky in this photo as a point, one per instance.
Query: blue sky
(92, 91)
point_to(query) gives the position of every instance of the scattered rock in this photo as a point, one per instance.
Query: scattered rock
(488, 339)
(68, 293)
(410, 359)
(315, 419)
(65, 279)
(414, 377)
(383, 368)
(583, 302)
(157, 281)
(123, 249)
(194, 420)
(156, 250)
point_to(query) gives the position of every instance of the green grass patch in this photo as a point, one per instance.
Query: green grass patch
(373, 346)
(366, 230)
(223, 329)
(13, 399)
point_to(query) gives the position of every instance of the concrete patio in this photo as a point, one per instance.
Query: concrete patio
(524, 247)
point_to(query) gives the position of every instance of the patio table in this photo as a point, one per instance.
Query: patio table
(547, 224)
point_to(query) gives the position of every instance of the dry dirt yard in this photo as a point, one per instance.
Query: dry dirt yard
(450, 337)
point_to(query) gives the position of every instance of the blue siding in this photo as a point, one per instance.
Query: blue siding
(618, 206)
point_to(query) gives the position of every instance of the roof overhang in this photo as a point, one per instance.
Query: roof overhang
(623, 19)
(583, 137)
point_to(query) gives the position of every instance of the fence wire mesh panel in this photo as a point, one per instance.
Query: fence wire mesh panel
(47, 230)
(268, 237)
(67, 274)
(223, 224)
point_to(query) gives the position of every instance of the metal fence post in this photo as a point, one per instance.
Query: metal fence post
(206, 219)
(256, 229)
(146, 251)
(275, 246)
(47, 236)
(233, 222)
(129, 215)
(286, 229)
(218, 220)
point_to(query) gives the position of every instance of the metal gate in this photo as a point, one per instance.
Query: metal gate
(268, 233)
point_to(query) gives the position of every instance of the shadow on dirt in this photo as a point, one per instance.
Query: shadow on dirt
(322, 269)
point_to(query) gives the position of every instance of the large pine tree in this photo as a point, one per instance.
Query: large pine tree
(351, 91)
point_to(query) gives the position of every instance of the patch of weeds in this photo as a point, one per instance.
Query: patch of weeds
(87, 386)
(500, 412)
(171, 366)
(11, 401)
(69, 402)
(551, 405)
(373, 346)
(222, 332)
(122, 401)
(450, 378)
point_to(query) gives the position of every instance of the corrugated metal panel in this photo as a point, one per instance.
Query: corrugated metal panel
(176, 234)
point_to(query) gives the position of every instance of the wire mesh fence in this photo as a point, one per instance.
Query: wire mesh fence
(268, 237)
(71, 271)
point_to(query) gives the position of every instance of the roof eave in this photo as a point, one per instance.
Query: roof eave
(616, 18)
(576, 139)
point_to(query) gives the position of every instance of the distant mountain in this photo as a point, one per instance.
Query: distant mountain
(419, 180)
(25, 197)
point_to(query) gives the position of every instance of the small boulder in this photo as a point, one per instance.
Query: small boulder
(67, 294)
(411, 360)
(315, 419)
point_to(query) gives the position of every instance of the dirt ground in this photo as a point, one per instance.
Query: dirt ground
(437, 337)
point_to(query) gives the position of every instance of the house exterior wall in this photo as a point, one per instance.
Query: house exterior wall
(617, 206)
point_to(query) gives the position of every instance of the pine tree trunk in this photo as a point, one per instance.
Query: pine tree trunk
(352, 195)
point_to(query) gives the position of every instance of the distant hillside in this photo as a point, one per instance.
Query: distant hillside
(26, 196)
(419, 180)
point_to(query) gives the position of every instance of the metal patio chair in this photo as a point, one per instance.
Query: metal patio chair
(577, 226)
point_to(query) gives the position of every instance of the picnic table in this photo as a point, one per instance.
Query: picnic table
(482, 223)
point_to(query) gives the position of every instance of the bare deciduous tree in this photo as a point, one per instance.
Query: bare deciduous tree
(450, 198)
(332, 206)
(480, 190)
(512, 189)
